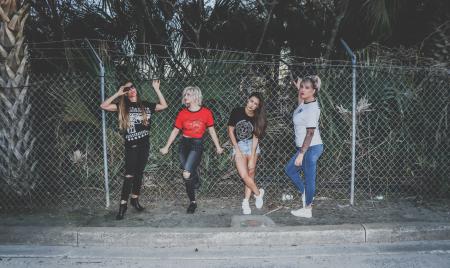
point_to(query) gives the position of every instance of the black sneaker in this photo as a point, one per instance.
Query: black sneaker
(191, 208)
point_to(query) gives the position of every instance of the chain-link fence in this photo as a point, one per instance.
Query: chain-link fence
(402, 132)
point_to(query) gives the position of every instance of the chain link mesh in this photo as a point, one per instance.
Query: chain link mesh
(402, 133)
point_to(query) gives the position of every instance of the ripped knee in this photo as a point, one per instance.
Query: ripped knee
(128, 176)
(186, 175)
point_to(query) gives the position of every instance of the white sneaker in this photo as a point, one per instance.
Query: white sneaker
(246, 207)
(303, 212)
(259, 199)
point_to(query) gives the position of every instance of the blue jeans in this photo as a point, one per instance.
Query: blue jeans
(309, 168)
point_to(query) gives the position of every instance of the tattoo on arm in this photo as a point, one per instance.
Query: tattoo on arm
(308, 139)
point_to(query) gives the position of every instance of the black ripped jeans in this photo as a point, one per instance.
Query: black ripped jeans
(190, 152)
(136, 157)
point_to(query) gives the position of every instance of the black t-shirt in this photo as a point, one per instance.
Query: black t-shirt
(242, 123)
(137, 132)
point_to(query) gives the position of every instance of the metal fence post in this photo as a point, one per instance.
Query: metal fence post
(105, 146)
(353, 57)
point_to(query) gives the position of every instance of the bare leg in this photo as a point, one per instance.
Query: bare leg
(242, 167)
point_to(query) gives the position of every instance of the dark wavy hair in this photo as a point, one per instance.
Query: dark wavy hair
(260, 115)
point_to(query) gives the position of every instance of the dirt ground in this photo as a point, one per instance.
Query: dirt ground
(218, 213)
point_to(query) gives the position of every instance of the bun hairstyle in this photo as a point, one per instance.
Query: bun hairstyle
(315, 82)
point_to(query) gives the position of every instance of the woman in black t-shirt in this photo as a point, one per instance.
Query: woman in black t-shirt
(134, 122)
(245, 127)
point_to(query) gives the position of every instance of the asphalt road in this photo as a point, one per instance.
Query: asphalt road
(427, 254)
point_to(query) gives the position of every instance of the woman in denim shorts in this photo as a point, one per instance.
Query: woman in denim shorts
(245, 127)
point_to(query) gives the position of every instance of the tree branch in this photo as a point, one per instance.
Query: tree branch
(266, 24)
(337, 24)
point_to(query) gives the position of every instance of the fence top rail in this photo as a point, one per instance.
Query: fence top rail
(81, 44)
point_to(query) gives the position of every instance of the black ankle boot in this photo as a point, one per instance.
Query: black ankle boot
(135, 203)
(191, 208)
(122, 210)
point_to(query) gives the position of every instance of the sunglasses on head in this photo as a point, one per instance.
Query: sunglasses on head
(128, 88)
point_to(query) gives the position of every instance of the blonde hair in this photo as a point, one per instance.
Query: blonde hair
(315, 82)
(196, 94)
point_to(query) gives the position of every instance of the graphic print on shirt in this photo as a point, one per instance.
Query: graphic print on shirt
(244, 130)
(137, 129)
(195, 125)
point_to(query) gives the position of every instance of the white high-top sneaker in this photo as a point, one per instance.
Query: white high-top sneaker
(259, 199)
(246, 207)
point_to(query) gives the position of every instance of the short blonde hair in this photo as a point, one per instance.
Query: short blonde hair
(196, 94)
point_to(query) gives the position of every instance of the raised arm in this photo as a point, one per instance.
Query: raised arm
(297, 84)
(107, 105)
(162, 102)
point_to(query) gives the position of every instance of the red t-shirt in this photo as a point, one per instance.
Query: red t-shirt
(194, 124)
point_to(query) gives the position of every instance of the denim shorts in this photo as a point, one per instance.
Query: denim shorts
(246, 147)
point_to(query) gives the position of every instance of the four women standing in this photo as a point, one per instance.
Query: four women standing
(246, 126)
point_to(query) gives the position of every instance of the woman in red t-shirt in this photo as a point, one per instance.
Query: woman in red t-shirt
(192, 121)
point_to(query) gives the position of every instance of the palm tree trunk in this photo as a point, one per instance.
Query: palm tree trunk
(16, 139)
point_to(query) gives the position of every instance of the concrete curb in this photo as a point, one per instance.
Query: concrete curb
(38, 235)
(407, 231)
(210, 237)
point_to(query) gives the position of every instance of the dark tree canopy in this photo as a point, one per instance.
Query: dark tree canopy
(308, 28)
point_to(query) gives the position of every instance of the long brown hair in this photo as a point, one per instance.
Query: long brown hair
(124, 107)
(260, 116)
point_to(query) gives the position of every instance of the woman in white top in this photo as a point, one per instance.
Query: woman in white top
(308, 142)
